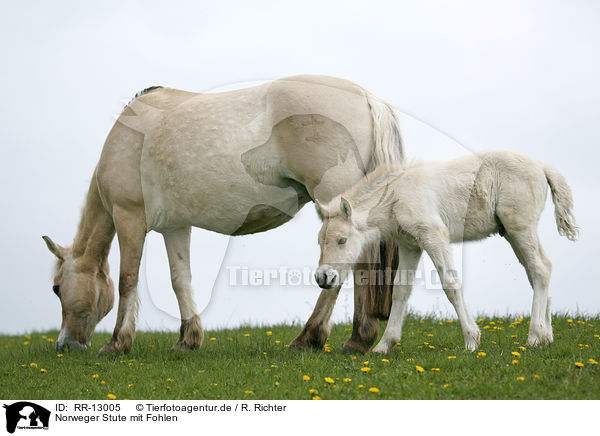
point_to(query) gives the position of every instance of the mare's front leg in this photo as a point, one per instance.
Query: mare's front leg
(317, 328)
(408, 261)
(177, 243)
(435, 242)
(131, 231)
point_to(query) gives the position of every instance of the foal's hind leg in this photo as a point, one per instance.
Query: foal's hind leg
(438, 249)
(408, 262)
(131, 231)
(530, 253)
(177, 243)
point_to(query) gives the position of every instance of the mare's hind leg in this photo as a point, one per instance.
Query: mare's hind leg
(177, 243)
(438, 248)
(317, 328)
(530, 253)
(131, 231)
(409, 259)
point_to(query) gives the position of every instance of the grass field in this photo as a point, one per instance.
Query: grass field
(254, 363)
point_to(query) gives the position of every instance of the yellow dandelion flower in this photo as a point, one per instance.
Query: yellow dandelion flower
(27, 336)
(482, 353)
(353, 357)
(329, 380)
(213, 339)
(273, 366)
(373, 390)
(95, 376)
(520, 378)
(130, 385)
(347, 380)
(515, 361)
(278, 342)
(102, 382)
(385, 360)
(50, 340)
(44, 337)
(366, 362)
(246, 334)
(569, 320)
(248, 392)
(269, 333)
(579, 365)
(435, 369)
(535, 376)
(485, 327)
(42, 370)
(419, 368)
(522, 348)
(276, 384)
(59, 355)
(112, 396)
(430, 335)
(446, 385)
(169, 379)
(305, 378)
(316, 397)
(593, 362)
(451, 357)
(26, 343)
(515, 353)
(313, 391)
(365, 369)
(360, 386)
(33, 365)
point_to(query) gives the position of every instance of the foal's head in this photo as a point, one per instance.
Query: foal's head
(341, 243)
(86, 293)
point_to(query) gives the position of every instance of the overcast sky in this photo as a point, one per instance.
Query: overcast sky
(465, 77)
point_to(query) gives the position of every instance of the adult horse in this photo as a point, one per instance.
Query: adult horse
(237, 162)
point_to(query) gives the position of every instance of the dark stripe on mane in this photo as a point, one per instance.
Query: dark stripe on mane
(143, 92)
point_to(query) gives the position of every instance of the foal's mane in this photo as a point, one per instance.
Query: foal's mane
(378, 178)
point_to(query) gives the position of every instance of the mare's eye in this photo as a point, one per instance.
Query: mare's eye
(342, 241)
(56, 289)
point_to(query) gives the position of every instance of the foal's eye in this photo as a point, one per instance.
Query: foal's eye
(342, 241)
(56, 289)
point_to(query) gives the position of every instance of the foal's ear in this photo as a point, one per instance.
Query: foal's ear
(345, 208)
(56, 249)
(321, 210)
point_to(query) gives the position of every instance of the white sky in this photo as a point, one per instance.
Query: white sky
(467, 76)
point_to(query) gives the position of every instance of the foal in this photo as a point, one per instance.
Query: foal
(428, 206)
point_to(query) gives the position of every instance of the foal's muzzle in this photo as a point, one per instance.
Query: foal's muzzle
(327, 277)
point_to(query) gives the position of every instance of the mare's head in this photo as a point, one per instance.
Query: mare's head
(86, 294)
(340, 240)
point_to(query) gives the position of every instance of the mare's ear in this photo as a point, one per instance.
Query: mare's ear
(54, 248)
(345, 208)
(321, 210)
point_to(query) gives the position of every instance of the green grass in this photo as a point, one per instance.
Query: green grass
(250, 363)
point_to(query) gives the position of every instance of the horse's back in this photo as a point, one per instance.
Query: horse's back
(209, 160)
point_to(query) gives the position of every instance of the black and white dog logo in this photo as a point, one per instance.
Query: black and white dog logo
(26, 415)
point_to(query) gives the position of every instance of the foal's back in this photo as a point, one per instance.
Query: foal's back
(476, 195)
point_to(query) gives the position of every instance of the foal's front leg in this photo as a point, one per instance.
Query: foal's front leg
(440, 253)
(191, 333)
(409, 259)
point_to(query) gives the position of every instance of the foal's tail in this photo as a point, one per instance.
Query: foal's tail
(563, 203)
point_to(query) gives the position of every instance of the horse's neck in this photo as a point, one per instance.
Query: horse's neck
(96, 229)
